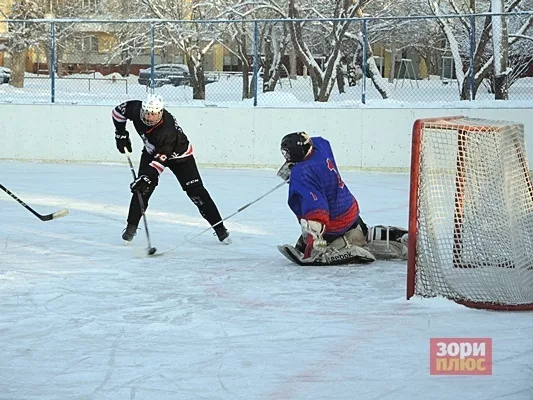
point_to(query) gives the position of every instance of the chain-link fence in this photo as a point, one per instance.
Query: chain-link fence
(270, 63)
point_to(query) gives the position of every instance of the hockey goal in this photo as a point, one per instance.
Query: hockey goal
(471, 213)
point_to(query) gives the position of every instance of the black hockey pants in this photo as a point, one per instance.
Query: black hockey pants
(189, 178)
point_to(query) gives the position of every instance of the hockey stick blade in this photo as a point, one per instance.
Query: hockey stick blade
(48, 217)
(60, 213)
(56, 215)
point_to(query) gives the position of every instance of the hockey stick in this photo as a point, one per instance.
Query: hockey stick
(241, 209)
(228, 217)
(47, 217)
(151, 250)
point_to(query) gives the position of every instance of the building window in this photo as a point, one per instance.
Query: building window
(90, 5)
(231, 63)
(88, 44)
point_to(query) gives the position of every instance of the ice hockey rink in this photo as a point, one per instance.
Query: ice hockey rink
(84, 317)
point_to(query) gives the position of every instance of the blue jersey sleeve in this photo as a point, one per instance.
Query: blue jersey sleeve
(306, 196)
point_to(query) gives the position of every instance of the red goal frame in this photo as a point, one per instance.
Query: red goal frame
(417, 136)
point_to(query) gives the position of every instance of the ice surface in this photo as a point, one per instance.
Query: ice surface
(84, 317)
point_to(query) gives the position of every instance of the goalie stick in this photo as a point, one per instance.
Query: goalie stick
(47, 217)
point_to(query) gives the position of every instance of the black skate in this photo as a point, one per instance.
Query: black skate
(222, 233)
(129, 233)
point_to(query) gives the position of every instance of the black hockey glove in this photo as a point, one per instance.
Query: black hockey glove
(123, 141)
(142, 184)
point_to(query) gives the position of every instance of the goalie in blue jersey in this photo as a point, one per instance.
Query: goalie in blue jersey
(332, 229)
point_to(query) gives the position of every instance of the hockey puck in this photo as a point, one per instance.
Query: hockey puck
(152, 251)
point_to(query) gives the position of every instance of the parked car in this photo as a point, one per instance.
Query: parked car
(169, 74)
(5, 75)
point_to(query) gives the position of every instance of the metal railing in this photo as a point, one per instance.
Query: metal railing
(417, 77)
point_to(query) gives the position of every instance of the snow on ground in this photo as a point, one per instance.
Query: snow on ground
(227, 92)
(84, 317)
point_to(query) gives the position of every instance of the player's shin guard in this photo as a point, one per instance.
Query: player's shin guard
(135, 213)
(208, 209)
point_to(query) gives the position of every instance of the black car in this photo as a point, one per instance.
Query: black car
(5, 75)
(169, 74)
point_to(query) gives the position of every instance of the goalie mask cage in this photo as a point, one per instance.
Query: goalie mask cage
(471, 213)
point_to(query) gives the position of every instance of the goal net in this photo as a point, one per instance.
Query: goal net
(471, 213)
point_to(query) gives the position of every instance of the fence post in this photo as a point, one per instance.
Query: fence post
(472, 47)
(52, 65)
(363, 86)
(152, 56)
(256, 60)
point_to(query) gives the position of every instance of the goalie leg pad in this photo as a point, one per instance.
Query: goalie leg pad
(354, 237)
(387, 242)
(347, 255)
(384, 250)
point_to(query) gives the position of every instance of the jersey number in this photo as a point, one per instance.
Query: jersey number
(331, 167)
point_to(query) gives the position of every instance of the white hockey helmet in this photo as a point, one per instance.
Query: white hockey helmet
(152, 110)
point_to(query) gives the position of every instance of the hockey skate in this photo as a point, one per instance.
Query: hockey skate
(222, 233)
(129, 233)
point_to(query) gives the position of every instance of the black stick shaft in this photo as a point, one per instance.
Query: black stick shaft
(27, 207)
(141, 203)
(47, 217)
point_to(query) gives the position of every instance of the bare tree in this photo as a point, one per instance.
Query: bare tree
(237, 37)
(67, 37)
(132, 39)
(275, 43)
(500, 49)
(458, 30)
(194, 39)
(23, 36)
(323, 79)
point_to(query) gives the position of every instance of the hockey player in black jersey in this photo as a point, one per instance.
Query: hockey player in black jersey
(165, 145)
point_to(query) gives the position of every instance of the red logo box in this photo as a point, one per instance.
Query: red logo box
(460, 356)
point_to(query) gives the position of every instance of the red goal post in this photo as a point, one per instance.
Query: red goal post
(471, 213)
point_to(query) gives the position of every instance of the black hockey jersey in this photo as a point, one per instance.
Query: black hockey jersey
(165, 141)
